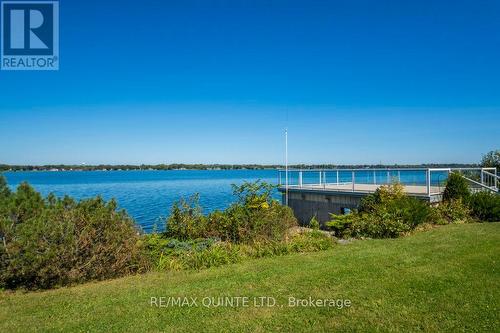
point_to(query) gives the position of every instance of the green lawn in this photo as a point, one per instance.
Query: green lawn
(446, 279)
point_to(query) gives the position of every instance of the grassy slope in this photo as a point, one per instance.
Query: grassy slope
(444, 279)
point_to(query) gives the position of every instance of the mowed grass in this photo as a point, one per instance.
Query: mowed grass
(445, 279)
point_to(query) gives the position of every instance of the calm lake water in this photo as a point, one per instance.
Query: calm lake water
(146, 195)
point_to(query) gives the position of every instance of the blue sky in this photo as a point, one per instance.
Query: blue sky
(217, 81)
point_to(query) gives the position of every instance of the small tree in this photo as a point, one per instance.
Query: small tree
(491, 159)
(456, 188)
(314, 223)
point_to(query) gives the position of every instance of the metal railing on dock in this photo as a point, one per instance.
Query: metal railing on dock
(418, 181)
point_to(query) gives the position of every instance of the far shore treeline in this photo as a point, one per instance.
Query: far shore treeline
(109, 167)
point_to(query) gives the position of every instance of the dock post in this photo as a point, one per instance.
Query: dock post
(388, 177)
(300, 178)
(320, 181)
(428, 181)
(353, 180)
(337, 177)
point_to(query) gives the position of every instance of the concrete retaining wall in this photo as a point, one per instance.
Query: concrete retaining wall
(306, 205)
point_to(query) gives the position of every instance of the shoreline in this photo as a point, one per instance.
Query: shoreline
(219, 167)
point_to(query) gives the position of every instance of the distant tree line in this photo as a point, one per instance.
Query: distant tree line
(109, 167)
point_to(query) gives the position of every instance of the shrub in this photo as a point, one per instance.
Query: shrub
(455, 211)
(456, 188)
(383, 196)
(314, 223)
(54, 242)
(341, 224)
(256, 195)
(387, 213)
(254, 217)
(186, 220)
(485, 206)
(385, 225)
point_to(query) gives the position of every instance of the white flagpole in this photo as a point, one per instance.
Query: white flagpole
(286, 166)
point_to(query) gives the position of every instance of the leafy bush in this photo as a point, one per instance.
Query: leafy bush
(387, 213)
(485, 206)
(383, 196)
(186, 220)
(454, 211)
(341, 224)
(456, 188)
(255, 216)
(53, 242)
(384, 225)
